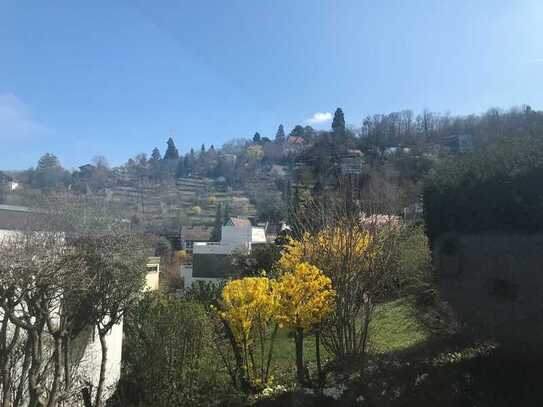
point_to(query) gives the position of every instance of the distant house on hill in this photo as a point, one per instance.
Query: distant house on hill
(210, 261)
(194, 234)
(278, 170)
(295, 140)
(352, 162)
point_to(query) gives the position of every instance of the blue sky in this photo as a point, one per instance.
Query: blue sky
(119, 77)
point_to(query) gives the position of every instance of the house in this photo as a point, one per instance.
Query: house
(210, 260)
(295, 140)
(14, 220)
(413, 213)
(351, 163)
(152, 278)
(278, 170)
(194, 234)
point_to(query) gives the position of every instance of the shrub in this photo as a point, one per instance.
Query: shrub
(168, 356)
(494, 188)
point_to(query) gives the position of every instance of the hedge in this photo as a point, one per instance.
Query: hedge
(498, 187)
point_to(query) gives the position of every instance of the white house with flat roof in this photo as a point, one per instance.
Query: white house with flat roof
(210, 259)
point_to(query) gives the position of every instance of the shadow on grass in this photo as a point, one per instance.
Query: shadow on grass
(434, 370)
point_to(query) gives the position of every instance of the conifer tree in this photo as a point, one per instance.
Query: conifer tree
(280, 135)
(155, 154)
(338, 124)
(171, 152)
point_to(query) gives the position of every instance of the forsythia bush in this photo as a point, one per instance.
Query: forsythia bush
(316, 249)
(305, 296)
(246, 304)
(254, 307)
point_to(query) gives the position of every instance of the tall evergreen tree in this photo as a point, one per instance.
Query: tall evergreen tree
(280, 135)
(155, 155)
(256, 137)
(217, 227)
(171, 152)
(338, 124)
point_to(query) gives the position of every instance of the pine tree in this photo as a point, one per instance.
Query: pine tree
(280, 135)
(338, 124)
(155, 155)
(256, 137)
(203, 149)
(171, 152)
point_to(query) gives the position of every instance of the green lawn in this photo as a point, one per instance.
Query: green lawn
(394, 328)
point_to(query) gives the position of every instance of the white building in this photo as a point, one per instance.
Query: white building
(12, 220)
(210, 259)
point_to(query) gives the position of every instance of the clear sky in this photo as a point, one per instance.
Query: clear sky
(81, 78)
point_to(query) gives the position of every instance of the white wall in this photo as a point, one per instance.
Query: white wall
(90, 366)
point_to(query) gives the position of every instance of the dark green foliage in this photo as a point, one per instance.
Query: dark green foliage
(219, 221)
(49, 173)
(280, 135)
(169, 356)
(155, 155)
(498, 187)
(338, 124)
(261, 259)
(297, 131)
(171, 151)
(164, 249)
(256, 137)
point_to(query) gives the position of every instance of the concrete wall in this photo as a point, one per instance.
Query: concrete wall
(495, 283)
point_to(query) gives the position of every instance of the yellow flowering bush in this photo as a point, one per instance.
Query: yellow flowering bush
(246, 303)
(305, 296)
(248, 307)
(324, 246)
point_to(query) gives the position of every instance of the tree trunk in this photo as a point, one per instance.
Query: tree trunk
(24, 370)
(67, 371)
(34, 386)
(299, 341)
(100, 388)
(318, 357)
(4, 364)
(244, 384)
(57, 356)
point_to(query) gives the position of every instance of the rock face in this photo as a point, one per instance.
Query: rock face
(494, 281)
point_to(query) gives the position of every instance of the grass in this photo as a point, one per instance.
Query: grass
(394, 328)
